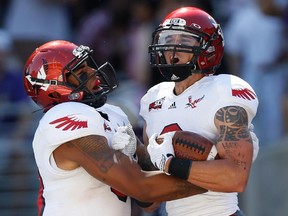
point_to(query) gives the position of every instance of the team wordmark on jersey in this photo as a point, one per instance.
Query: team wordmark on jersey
(70, 122)
(244, 93)
(192, 103)
(156, 104)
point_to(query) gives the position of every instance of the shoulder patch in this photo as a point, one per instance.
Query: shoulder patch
(70, 122)
(246, 94)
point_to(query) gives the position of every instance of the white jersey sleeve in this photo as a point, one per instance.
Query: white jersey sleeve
(234, 91)
(70, 121)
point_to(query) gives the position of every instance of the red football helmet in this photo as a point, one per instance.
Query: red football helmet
(46, 71)
(192, 24)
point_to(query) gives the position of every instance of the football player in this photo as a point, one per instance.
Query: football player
(74, 145)
(187, 49)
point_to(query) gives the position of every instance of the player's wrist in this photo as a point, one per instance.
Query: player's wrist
(179, 167)
(167, 164)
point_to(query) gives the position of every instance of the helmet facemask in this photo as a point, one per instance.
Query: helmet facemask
(106, 78)
(200, 50)
(48, 70)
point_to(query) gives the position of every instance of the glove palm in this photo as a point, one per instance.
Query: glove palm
(159, 153)
(125, 140)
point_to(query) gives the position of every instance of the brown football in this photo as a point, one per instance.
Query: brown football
(190, 145)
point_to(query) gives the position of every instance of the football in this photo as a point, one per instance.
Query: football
(190, 145)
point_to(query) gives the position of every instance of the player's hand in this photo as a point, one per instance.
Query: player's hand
(159, 153)
(255, 142)
(125, 140)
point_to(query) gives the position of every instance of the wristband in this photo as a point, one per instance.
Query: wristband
(180, 167)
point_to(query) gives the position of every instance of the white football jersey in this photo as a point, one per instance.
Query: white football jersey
(76, 192)
(194, 110)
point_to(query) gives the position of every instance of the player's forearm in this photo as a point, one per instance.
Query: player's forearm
(144, 158)
(218, 175)
(167, 188)
(223, 176)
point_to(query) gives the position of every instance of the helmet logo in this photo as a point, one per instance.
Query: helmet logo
(175, 21)
(41, 75)
(80, 51)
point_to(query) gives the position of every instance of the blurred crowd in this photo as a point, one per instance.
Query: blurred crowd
(256, 49)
